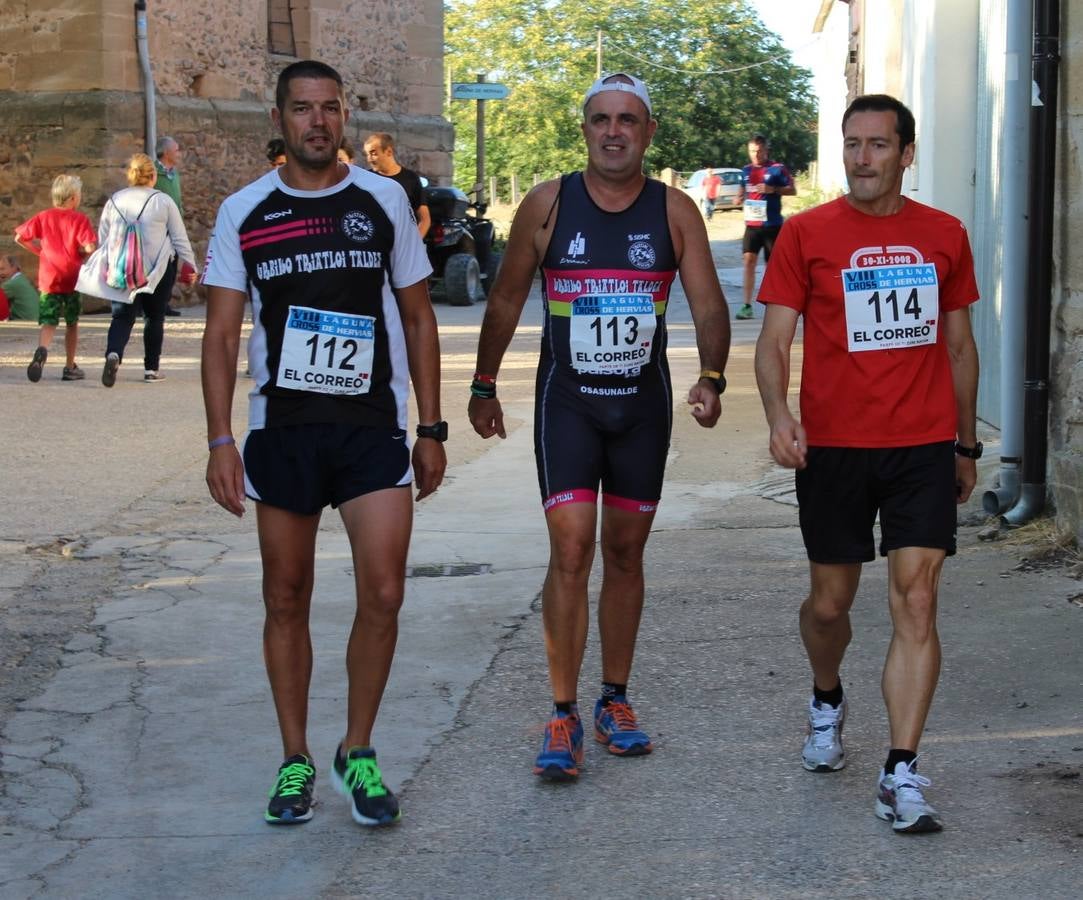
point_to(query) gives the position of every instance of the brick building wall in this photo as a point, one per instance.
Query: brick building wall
(72, 100)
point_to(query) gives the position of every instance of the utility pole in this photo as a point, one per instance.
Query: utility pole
(598, 56)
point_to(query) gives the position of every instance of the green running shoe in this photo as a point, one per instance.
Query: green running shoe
(357, 776)
(291, 797)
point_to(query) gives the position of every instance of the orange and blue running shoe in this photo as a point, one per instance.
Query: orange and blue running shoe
(615, 726)
(562, 748)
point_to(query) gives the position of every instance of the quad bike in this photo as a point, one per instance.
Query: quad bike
(460, 246)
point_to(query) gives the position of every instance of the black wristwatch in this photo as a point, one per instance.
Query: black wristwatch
(974, 452)
(716, 378)
(437, 432)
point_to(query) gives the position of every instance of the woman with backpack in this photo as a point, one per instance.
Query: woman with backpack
(142, 241)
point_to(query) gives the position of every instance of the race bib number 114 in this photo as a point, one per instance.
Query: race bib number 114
(891, 307)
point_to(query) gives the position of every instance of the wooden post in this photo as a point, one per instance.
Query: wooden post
(480, 173)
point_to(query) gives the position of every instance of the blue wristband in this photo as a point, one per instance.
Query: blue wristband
(220, 441)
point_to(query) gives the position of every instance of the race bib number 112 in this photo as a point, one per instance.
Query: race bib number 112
(326, 352)
(891, 307)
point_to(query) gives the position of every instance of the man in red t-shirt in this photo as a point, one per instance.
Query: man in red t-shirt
(712, 184)
(61, 238)
(888, 426)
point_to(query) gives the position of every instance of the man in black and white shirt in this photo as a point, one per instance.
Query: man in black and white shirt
(336, 272)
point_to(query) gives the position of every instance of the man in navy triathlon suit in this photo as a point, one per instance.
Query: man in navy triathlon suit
(609, 242)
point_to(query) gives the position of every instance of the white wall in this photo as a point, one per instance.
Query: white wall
(940, 84)
(829, 82)
(926, 53)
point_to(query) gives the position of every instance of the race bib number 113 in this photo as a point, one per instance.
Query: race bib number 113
(891, 307)
(611, 334)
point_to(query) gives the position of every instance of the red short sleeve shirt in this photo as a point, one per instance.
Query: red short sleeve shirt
(61, 232)
(873, 291)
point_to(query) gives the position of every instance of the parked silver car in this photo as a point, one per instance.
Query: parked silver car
(729, 192)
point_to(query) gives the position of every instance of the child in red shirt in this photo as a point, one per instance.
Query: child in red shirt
(61, 238)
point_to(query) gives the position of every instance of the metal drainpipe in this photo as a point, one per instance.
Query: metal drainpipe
(1043, 158)
(150, 113)
(1015, 161)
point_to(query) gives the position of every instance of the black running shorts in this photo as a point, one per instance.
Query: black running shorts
(842, 489)
(303, 468)
(761, 237)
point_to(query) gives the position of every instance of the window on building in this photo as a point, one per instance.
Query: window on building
(280, 38)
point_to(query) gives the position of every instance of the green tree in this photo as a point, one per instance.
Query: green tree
(716, 76)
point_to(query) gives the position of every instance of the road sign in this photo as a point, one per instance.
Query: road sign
(478, 90)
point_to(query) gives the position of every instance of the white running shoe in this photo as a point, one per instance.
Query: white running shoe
(823, 750)
(899, 800)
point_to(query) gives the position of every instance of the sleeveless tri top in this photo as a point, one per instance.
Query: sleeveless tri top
(606, 282)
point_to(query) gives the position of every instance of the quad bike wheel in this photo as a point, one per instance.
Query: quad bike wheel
(462, 280)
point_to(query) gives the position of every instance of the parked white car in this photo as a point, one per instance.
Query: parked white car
(729, 192)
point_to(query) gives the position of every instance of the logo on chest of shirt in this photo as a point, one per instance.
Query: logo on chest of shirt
(577, 250)
(358, 227)
(885, 255)
(641, 254)
(271, 216)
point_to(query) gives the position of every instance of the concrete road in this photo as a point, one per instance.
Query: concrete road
(138, 738)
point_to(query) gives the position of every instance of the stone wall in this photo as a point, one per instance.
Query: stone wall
(390, 52)
(71, 98)
(1066, 364)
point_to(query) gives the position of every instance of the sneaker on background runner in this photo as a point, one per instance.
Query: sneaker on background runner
(899, 800)
(562, 748)
(33, 371)
(823, 750)
(73, 374)
(292, 795)
(152, 375)
(615, 726)
(357, 776)
(745, 312)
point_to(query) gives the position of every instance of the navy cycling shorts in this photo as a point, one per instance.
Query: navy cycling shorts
(614, 436)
